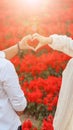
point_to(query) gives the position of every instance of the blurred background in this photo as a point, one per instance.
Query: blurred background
(40, 72)
(21, 17)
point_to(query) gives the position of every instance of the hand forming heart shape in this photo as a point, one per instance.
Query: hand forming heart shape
(34, 41)
(37, 41)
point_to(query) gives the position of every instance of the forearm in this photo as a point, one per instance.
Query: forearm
(22, 45)
(62, 43)
(11, 51)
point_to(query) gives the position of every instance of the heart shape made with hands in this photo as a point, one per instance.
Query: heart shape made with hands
(34, 43)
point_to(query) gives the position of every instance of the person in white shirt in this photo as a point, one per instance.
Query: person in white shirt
(63, 119)
(12, 98)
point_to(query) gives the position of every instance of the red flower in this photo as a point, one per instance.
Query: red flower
(47, 125)
(27, 125)
(55, 100)
(50, 107)
(50, 118)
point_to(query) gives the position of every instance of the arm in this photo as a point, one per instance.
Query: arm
(57, 42)
(62, 43)
(12, 88)
(13, 50)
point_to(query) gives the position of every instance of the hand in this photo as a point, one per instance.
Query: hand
(24, 43)
(42, 40)
(19, 113)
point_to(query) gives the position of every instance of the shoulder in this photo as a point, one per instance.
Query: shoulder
(4, 63)
(7, 70)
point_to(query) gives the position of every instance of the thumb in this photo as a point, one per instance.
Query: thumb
(35, 36)
(38, 46)
(30, 47)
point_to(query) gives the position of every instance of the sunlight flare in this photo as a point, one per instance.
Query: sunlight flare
(33, 2)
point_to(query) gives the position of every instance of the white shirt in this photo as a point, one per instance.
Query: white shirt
(63, 119)
(62, 43)
(2, 54)
(11, 96)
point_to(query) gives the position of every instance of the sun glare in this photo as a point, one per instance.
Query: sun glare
(33, 2)
(32, 6)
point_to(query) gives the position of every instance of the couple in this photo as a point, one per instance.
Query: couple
(12, 99)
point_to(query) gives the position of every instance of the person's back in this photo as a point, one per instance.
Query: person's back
(11, 96)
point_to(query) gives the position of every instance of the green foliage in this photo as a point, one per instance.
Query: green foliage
(40, 111)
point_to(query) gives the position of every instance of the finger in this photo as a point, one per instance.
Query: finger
(28, 37)
(32, 48)
(35, 49)
(35, 38)
(35, 35)
(38, 46)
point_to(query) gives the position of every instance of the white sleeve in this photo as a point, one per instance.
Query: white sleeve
(62, 43)
(12, 88)
(2, 54)
(64, 109)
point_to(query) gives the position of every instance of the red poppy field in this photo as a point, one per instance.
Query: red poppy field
(40, 72)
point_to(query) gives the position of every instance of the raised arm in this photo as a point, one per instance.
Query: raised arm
(22, 45)
(61, 43)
